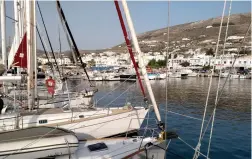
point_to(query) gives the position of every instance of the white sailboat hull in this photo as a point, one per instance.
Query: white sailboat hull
(43, 148)
(37, 142)
(117, 149)
(87, 125)
(109, 125)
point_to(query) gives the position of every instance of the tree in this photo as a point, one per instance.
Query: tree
(208, 67)
(152, 63)
(157, 64)
(91, 62)
(185, 64)
(210, 52)
(161, 63)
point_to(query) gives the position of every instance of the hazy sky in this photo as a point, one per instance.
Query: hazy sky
(95, 24)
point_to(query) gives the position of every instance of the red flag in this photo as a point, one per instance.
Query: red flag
(20, 58)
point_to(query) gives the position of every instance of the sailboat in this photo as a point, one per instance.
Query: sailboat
(98, 148)
(86, 122)
(126, 148)
(58, 143)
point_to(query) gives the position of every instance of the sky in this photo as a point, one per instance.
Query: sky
(95, 24)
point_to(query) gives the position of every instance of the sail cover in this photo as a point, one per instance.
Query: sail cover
(20, 58)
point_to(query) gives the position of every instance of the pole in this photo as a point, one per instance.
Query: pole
(3, 39)
(34, 47)
(17, 33)
(76, 50)
(30, 49)
(140, 59)
(48, 39)
(129, 46)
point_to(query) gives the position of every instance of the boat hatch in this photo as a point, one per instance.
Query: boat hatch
(43, 121)
(98, 147)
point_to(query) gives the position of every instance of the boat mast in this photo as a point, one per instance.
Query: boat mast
(128, 43)
(3, 39)
(76, 50)
(141, 62)
(50, 44)
(31, 50)
(69, 41)
(34, 48)
(17, 33)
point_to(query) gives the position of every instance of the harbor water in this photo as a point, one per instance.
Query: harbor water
(184, 110)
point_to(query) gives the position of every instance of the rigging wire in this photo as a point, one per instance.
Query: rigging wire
(46, 53)
(120, 94)
(48, 39)
(166, 70)
(187, 116)
(60, 55)
(128, 44)
(46, 48)
(113, 89)
(196, 154)
(76, 50)
(195, 149)
(222, 89)
(68, 41)
(239, 49)
(217, 91)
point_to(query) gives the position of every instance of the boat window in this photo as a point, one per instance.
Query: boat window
(98, 147)
(43, 121)
(81, 116)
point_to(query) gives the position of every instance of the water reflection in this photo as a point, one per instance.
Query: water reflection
(188, 96)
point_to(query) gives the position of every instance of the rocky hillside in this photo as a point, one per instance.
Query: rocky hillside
(201, 34)
(190, 36)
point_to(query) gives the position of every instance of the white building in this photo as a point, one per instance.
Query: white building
(205, 60)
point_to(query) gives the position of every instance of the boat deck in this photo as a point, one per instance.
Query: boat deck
(52, 111)
(32, 133)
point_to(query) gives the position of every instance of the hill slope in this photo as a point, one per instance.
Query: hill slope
(201, 34)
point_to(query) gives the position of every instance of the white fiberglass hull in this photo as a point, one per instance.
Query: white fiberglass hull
(37, 142)
(42, 148)
(117, 149)
(87, 125)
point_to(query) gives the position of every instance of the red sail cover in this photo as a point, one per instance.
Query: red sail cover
(20, 58)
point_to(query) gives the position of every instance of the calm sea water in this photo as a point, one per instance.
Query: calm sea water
(232, 130)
